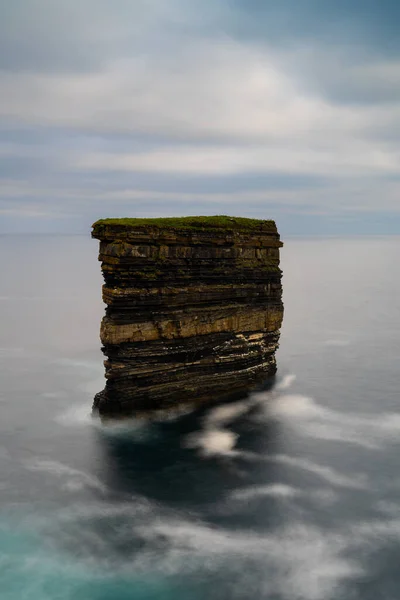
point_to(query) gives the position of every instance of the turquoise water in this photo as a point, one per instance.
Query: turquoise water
(293, 494)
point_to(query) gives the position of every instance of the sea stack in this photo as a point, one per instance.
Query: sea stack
(194, 309)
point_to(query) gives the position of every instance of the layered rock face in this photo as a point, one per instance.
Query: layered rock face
(193, 311)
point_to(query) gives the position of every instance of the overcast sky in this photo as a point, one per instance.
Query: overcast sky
(263, 108)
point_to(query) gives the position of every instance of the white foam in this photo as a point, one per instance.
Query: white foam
(140, 430)
(78, 415)
(276, 490)
(215, 439)
(328, 474)
(92, 510)
(171, 414)
(281, 491)
(81, 416)
(296, 560)
(73, 485)
(295, 405)
(389, 508)
(309, 418)
(221, 415)
(285, 383)
(299, 561)
(76, 478)
(367, 533)
(213, 442)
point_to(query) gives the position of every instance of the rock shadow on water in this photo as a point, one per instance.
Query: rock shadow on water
(154, 458)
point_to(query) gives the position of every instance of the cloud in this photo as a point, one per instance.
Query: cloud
(367, 26)
(356, 159)
(215, 89)
(176, 109)
(51, 36)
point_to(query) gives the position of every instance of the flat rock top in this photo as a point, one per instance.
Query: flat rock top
(217, 222)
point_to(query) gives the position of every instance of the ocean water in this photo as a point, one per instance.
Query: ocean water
(293, 494)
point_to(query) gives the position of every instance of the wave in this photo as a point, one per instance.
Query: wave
(299, 561)
(332, 476)
(275, 490)
(286, 382)
(308, 417)
(77, 415)
(74, 478)
(215, 439)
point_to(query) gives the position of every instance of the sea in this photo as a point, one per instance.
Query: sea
(290, 494)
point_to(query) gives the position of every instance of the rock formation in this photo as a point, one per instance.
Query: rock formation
(193, 311)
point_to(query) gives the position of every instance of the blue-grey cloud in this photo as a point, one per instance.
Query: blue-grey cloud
(367, 23)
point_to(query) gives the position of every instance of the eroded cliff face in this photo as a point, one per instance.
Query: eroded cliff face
(193, 312)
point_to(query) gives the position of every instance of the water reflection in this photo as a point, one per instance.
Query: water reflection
(157, 461)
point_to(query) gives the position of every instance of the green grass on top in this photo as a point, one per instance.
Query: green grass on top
(217, 221)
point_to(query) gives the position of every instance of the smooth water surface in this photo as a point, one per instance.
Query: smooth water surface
(291, 495)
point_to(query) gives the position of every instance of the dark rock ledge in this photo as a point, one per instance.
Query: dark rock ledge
(194, 309)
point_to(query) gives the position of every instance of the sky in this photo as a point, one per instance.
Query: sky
(283, 109)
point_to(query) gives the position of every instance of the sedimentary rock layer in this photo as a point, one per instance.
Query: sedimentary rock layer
(193, 310)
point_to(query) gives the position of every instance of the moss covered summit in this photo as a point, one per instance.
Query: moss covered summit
(218, 222)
